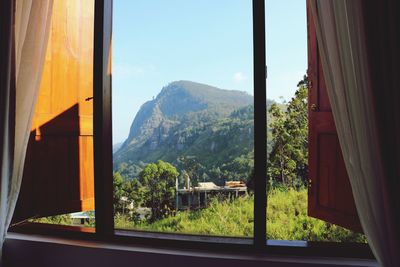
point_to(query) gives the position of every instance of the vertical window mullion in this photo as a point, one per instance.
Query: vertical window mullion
(102, 119)
(260, 117)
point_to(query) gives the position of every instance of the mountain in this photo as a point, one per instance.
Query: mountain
(116, 146)
(192, 123)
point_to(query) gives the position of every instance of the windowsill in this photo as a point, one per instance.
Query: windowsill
(185, 237)
(100, 246)
(202, 243)
(198, 243)
(245, 255)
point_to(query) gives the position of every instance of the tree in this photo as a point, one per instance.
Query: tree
(217, 176)
(183, 179)
(287, 162)
(158, 182)
(118, 183)
(126, 191)
(239, 168)
(205, 177)
(134, 192)
(192, 167)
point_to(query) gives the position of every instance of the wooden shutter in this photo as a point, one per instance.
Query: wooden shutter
(59, 173)
(330, 196)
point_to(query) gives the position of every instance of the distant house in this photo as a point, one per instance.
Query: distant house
(80, 218)
(198, 196)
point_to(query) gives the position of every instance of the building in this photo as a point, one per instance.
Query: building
(199, 196)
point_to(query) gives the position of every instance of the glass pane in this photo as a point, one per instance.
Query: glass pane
(183, 116)
(288, 141)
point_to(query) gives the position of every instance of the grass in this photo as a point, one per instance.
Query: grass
(64, 219)
(222, 218)
(286, 220)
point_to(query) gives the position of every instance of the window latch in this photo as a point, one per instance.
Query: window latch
(314, 107)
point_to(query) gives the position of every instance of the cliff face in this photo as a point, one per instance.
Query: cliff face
(189, 119)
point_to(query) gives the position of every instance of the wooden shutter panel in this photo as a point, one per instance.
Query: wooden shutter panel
(59, 173)
(330, 196)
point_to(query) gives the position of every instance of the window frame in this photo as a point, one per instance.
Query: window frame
(104, 230)
(102, 121)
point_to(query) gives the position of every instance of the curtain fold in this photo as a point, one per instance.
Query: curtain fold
(346, 60)
(7, 109)
(31, 30)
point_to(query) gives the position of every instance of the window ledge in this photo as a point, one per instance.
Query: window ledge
(28, 247)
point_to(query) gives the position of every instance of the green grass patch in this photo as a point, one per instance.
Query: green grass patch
(286, 219)
(221, 218)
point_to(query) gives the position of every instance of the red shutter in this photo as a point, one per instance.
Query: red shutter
(330, 196)
(58, 176)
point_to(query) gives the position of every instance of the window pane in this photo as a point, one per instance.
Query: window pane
(183, 124)
(290, 192)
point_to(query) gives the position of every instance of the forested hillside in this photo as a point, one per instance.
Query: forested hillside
(204, 130)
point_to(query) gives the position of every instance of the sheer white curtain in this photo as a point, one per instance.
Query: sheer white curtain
(7, 108)
(31, 29)
(342, 39)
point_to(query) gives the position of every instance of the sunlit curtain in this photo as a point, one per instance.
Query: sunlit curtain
(30, 31)
(370, 147)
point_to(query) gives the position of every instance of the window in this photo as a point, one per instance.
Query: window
(308, 188)
(183, 112)
(102, 155)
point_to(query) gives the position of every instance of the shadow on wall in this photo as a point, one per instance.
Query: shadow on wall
(51, 180)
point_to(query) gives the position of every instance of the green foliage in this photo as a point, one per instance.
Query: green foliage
(126, 192)
(63, 219)
(192, 168)
(130, 169)
(118, 191)
(135, 192)
(245, 113)
(207, 149)
(196, 127)
(221, 218)
(123, 221)
(240, 168)
(287, 161)
(183, 179)
(158, 184)
(286, 219)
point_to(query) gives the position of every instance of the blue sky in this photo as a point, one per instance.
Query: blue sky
(208, 41)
